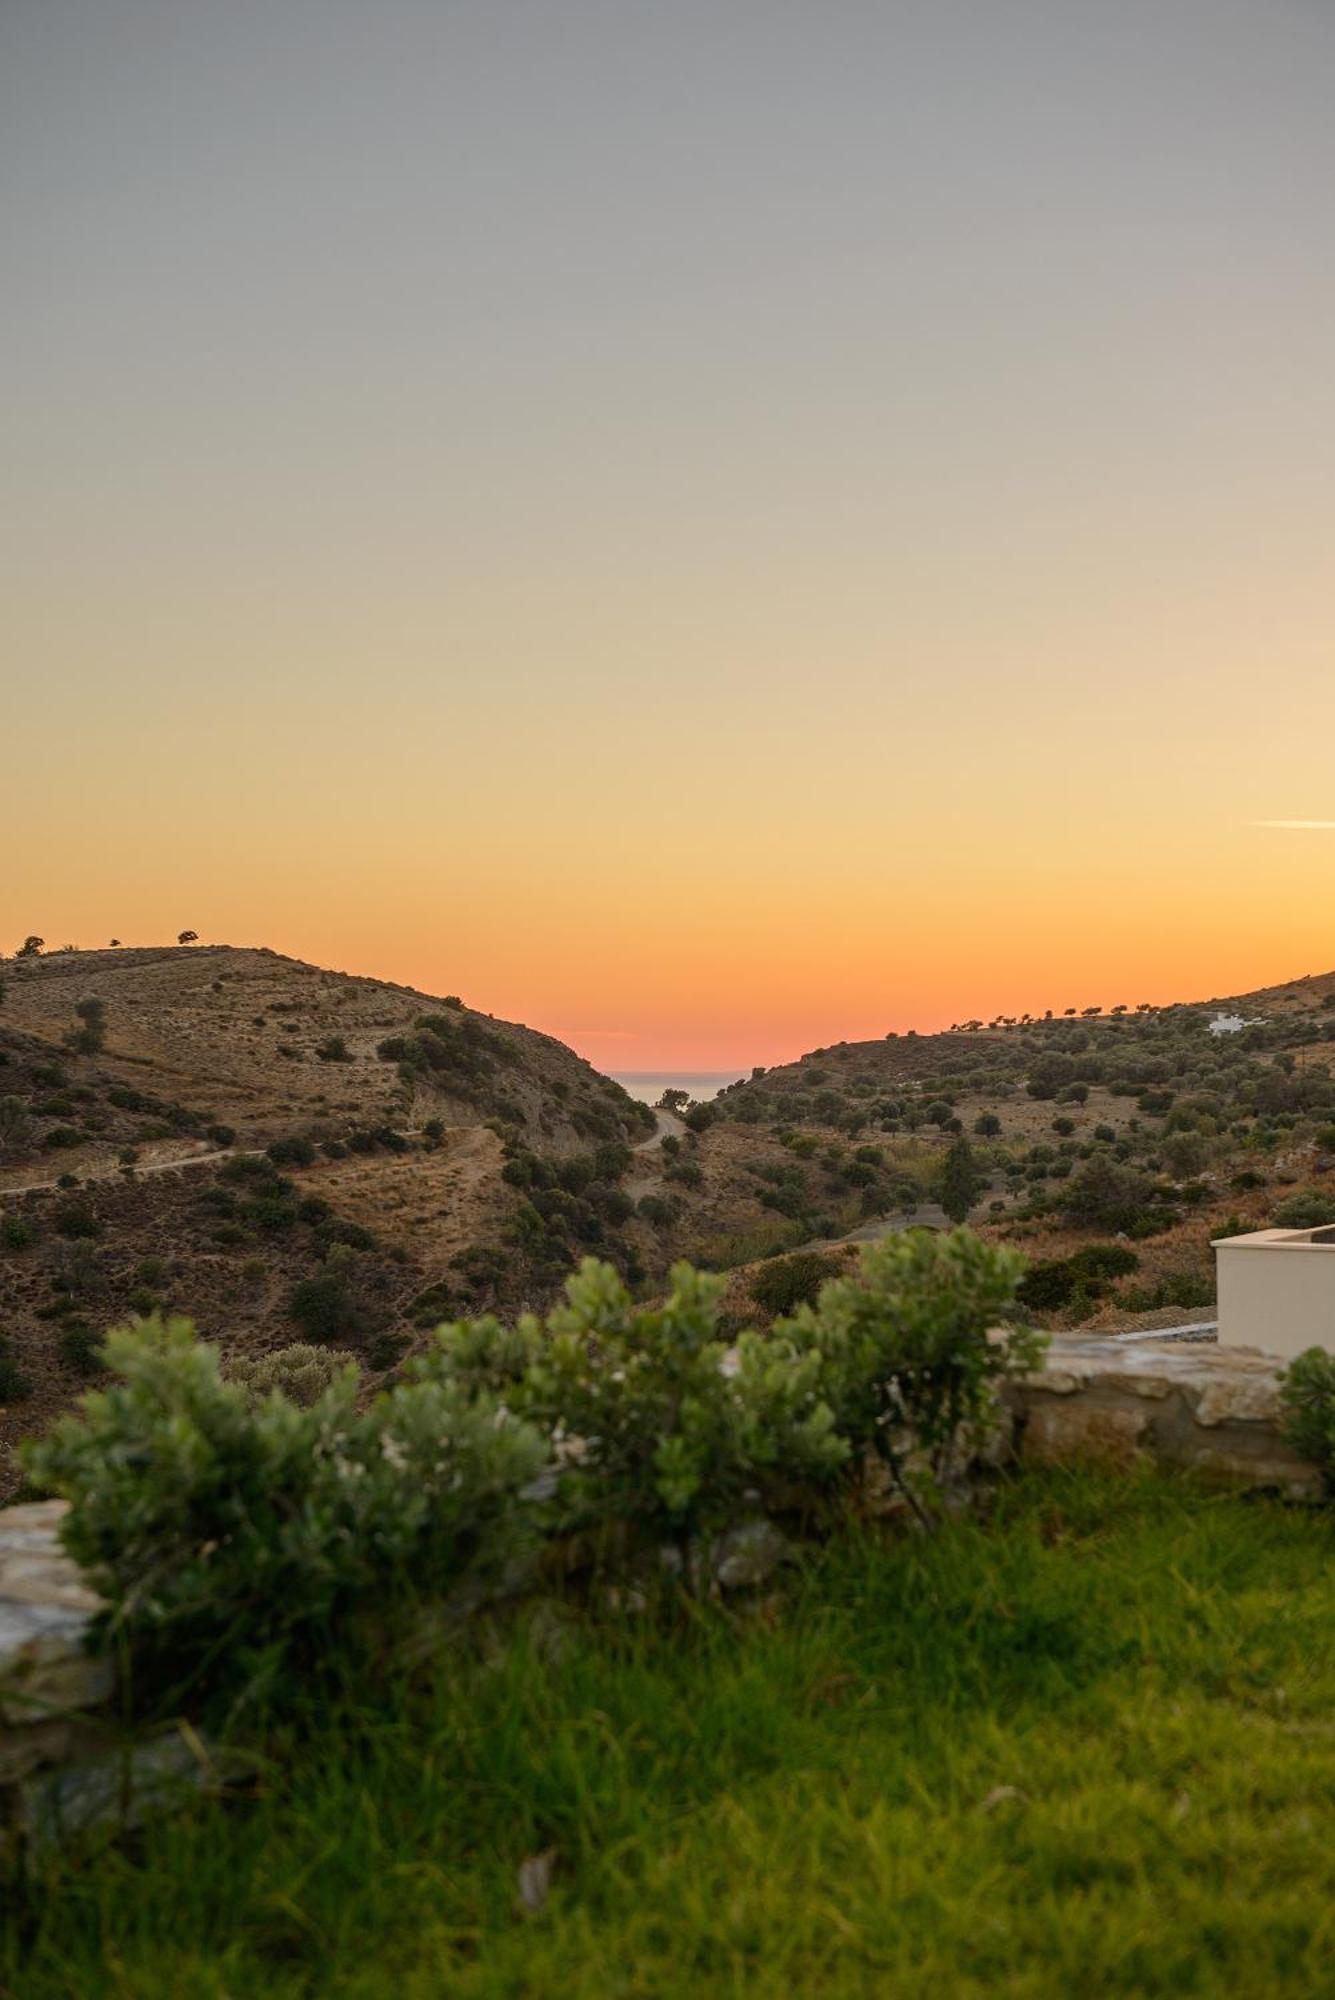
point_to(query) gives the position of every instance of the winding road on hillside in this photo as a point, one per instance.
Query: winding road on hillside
(669, 1126)
(109, 1170)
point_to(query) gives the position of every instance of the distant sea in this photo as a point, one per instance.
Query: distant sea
(649, 1084)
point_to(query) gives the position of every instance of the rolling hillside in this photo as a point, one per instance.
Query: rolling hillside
(1110, 1148)
(283, 1152)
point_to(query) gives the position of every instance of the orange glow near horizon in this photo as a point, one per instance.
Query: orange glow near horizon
(715, 998)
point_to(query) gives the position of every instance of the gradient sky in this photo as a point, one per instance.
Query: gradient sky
(707, 528)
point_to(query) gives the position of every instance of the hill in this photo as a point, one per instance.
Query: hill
(292, 1153)
(1314, 990)
(259, 1042)
(1111, 1148)
(283, 1152)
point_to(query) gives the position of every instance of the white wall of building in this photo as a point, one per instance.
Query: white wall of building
(1277, 1291)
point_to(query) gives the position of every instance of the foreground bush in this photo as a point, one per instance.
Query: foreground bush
(229, 1522)
(1308, 1396)
(913, 1349)
(223, 1532)
(656, 1423)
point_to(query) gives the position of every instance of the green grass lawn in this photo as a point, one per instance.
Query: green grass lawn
(1087, 1748)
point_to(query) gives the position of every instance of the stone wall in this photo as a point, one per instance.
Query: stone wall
(1213, 1409)
(66, 1764)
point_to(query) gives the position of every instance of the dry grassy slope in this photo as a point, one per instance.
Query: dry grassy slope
(213, 1036)
(232, 1032)
(158, 1243)
(857, 1075)
(1293, 996)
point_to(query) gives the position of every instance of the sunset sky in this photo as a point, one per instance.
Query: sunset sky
(706, 528)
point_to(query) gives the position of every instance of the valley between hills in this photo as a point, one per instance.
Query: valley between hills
(291, 1154)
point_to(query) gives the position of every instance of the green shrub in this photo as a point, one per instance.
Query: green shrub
(657, 1210)
(336, 1229)
(1053, 1284)
(227, 1534)
(434, 1305)
(15, 1387)
(89, 1038)
(78, 1346)
(300, 1372)
(1047, 1286)
(231, 1522)
(326, 1306)
(293, 1151)
(333, 1050)
(1096, 1261)
(15, 1124)
(961, 1181)
(789, 1282)
(76, 1219)
(1309, 1208)
(912, 1350)
(1307, 1393)
(659, 1428)
(16, 1232)
(1185, 1289)
(1184, 1154)
(377, 1137)
(1108, 1197)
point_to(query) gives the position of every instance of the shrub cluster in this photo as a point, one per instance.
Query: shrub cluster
(1059, 1282)
(228, 1522)
(15, 1386)
(1307, 1394)
(570, 1207)
(224, 1531)
(453, 1050)
(1306, 1208)
(785, 1283)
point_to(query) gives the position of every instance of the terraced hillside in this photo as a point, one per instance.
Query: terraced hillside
(285, 1154)
(261, 1043)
